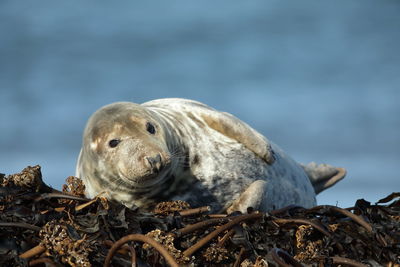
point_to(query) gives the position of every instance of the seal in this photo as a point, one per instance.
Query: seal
(170, 149)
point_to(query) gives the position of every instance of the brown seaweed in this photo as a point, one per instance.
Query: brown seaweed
(41, 226)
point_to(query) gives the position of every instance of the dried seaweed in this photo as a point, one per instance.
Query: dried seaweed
(41, 225)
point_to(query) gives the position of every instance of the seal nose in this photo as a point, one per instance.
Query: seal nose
(155, 163)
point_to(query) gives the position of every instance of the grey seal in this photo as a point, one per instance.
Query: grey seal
(170, 149)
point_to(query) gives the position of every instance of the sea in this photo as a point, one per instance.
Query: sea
(319, 78)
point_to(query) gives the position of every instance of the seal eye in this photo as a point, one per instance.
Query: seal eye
(113, 143)
(150, 128)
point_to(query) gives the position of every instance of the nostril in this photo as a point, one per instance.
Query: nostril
(155, 162)
(151, 161)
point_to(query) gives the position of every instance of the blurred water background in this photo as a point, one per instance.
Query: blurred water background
(321, 79)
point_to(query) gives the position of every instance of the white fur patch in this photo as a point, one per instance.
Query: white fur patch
(93, 145)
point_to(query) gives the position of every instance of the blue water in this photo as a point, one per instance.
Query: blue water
(320, 79)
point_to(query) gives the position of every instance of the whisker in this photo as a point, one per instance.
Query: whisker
(118, 183)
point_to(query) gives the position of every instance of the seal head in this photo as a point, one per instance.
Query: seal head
(124, 150)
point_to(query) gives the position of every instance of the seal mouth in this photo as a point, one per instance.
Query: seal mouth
(151, 177)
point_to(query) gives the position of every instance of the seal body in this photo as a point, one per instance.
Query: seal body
(170, 149)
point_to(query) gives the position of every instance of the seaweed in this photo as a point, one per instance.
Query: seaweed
(43, 226)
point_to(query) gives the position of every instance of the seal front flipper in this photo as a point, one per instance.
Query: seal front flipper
(323, 176)
(251, 197)
(236, 129)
